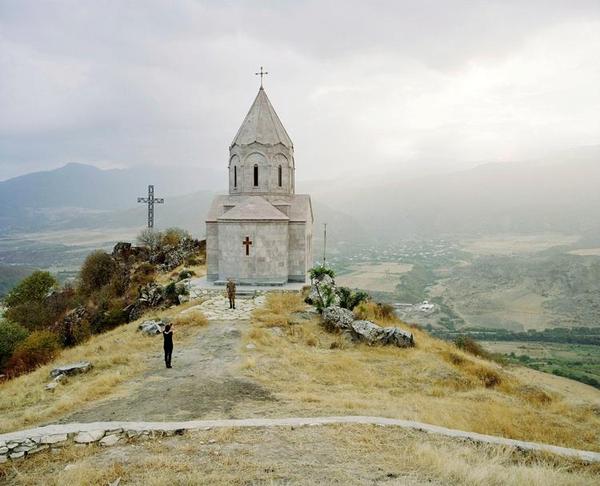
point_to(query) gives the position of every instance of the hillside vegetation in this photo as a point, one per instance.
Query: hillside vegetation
(313, 372)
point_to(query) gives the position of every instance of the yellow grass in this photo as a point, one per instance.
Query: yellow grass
(349, 455)
(116, 355)
(191, 318)
(434, 382)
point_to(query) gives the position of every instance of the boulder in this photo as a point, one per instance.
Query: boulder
(122, 250)
(373, 334)
(89, 436)
(337, 318)
(151, 328)
(71, 369)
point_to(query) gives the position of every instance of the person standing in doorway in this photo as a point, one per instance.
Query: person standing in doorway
(168, 344)
(231, 293)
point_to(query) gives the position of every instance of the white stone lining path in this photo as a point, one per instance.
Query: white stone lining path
(16, 445)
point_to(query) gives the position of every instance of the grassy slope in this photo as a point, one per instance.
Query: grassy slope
(434, 382)
(348, 455)
(117, 356)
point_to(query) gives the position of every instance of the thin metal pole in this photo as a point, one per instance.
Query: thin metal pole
(324, 243)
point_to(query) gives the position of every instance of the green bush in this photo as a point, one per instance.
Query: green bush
(37, 349)
(319, 271)
(34, 288)
(98, 270)
(185, 274)
(11, 335)
(349, 299)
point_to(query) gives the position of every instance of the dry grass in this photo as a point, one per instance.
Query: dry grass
(191, 318)
(278, 309)
(434, 382)
(116, 355)
(348, 454)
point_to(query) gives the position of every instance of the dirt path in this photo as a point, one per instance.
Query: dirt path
(203, 383)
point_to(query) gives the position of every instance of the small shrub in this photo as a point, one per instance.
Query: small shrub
(174, 236)
(469, 345)
(350, 299)
(37, 349)
(185, 274)
(149, 238)
(98, 270)
(319, 271)
(372, 311)
(11, 334)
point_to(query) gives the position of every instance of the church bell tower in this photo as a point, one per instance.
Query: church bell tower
(261, 156)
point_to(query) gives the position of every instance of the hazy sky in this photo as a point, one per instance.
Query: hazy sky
(403, 86)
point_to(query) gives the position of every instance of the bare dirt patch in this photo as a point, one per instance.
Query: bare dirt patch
(201, 384)
(380, 277)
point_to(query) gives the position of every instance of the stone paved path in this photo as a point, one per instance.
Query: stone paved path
(92, 432)
(216, 308)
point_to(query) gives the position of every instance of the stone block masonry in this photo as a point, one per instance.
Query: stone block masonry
(18, 445)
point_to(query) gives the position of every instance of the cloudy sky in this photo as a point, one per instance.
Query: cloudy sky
(407, 87)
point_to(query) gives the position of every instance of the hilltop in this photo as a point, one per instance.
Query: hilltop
(282, 362)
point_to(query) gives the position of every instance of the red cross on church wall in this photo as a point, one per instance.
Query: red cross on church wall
(247, 244)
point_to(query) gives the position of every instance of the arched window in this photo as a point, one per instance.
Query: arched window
(235, 176)
(279, 176)
(255, 175)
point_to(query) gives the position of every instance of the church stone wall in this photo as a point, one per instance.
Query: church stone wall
(212, 251)
(268, 259)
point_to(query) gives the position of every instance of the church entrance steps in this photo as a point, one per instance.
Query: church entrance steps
(16, 445)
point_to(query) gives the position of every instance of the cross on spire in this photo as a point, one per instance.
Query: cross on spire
(261, 73)
(150, 200)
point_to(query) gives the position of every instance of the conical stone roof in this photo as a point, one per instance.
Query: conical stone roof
(262, 125)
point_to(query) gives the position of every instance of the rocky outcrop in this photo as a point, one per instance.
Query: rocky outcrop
(342, 320)
(151, 328)
(71, 369)
(373, 334)
(337, 318)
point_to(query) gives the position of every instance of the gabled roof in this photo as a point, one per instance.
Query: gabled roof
(254, 208)
(262, 125)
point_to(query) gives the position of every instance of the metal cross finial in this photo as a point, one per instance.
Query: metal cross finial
(151, 200)
(261, 74)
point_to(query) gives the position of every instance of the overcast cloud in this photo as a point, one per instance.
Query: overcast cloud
(404, 86)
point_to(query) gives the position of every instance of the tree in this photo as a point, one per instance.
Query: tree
(11, 335)
(174, 236)
(97, 270)
(26, 303)
(34, 288)
(150, 238)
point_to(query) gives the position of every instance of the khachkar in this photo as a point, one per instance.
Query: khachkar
(261, 232)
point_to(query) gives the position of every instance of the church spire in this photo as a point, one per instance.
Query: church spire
(262, 125)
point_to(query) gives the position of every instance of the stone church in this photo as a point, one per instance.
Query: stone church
(261, 232)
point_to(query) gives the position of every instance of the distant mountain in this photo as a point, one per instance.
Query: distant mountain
(41, 199)
(556, 194)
